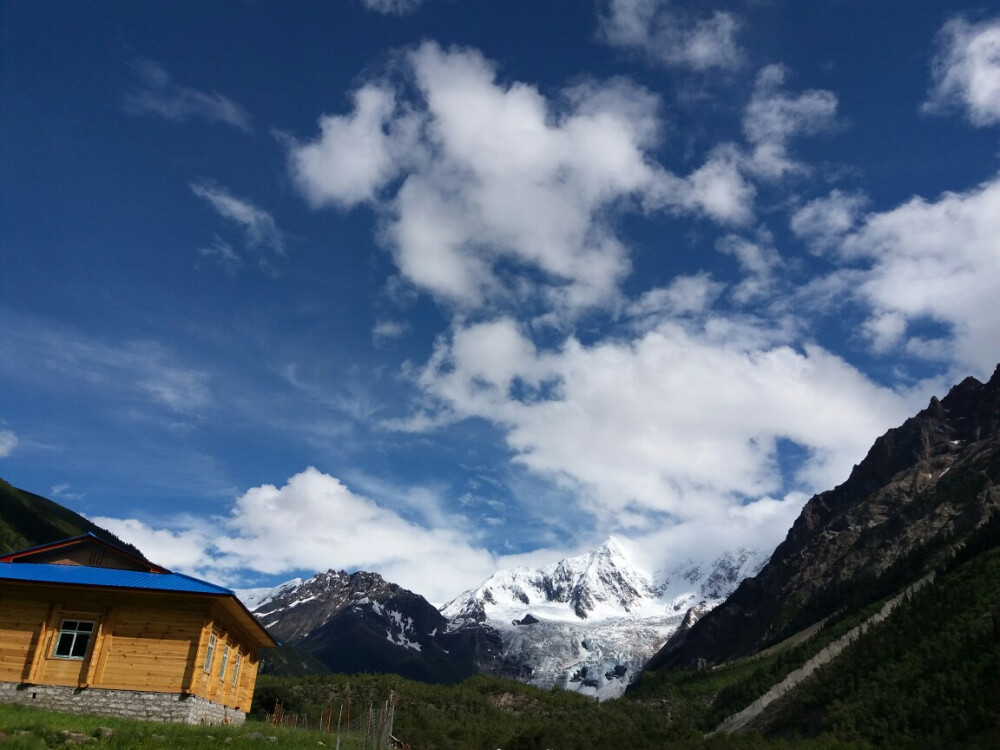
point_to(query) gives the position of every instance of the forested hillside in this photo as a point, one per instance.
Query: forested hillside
(929, 676)
(27, 519)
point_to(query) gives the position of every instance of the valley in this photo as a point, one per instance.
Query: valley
(876, 622)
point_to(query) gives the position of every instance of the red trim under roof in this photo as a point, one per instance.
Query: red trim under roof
(77, 540)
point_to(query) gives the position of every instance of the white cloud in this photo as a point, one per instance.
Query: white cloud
(965, 72)
(937, 260)
(315, 522)
(386, 330)
(64, 492)
(143, 370)
(180, 388)
(393, 7)
(718, 189)
(159, 95)
(8, 442)
(260, 231)
(480, 181)
(312, 523)
(671, 36)
(884, 331)
(825, 221)
(513, 179)
(758, 260)
(679, 420)
(187, 548)
(224, 254)
(722, 189)
(761, 524)
(774, 117)
(354, 156)
(685, 295)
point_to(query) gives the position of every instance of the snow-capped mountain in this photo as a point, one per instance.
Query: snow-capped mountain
(255, 598)
(359, 622)
(586, 623)
(589, 623)
(602, 583)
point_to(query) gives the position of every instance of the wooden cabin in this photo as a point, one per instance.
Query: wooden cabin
(87, 626)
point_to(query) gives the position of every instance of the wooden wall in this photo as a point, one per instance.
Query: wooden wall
(212, 683)
(145, 641)
(20, 623)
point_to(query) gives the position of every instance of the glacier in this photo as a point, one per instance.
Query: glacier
(589, 623)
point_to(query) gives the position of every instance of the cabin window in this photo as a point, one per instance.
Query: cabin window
(74, 638)
(225, 658)
(210, 653)
(236, 668)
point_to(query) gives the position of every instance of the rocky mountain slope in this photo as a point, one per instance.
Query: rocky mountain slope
(590, 623)
(921, 489)
(359, 622)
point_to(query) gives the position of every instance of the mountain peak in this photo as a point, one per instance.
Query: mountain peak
(588, 623)
(613, 545)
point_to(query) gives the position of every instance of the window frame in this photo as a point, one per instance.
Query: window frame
(210, 652)
(75, 633)
(236, 667)
(225, 663)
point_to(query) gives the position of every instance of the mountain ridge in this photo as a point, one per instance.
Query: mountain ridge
(359, 622)
(922, 484)
(27, 520)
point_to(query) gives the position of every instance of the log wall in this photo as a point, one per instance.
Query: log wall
(142, 641)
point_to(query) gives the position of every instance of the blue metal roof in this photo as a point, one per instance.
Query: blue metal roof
(129, 579)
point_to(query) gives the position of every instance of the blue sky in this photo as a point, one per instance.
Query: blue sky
(431, 288)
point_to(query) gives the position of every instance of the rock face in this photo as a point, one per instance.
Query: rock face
(360, 622)
(922, 485)
(590, 623)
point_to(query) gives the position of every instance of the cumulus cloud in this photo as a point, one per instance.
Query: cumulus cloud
(936, 260)
(965, 72)
(761, 524)
(260, 231)
(492, 194)
(159, 95)
(313, 522)
(671, 36)
(825, 221)
(8, 442)
(758, 260)
(774, 117)
(479, 180)
(718, 189)
(682, 420)
(354, 155)
(685, 295)
(723, 188)
(186, 547)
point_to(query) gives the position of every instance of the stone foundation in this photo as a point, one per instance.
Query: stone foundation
(126, 704)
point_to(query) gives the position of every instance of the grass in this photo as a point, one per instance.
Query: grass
(26, 728)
